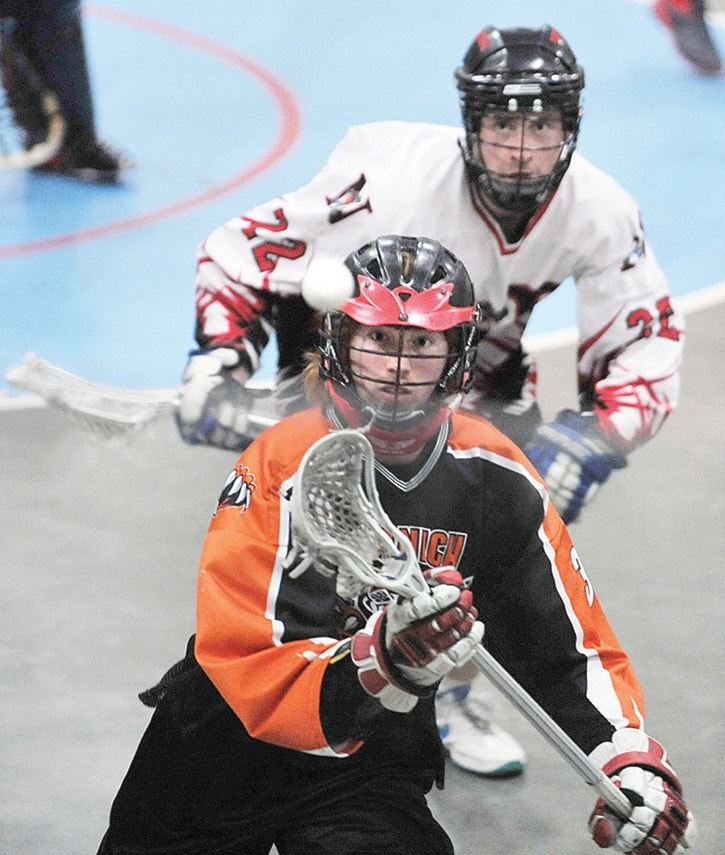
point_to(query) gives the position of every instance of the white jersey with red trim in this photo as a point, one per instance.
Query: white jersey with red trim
(410, 178)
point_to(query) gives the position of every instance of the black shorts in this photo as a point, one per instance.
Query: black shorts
(200, 784)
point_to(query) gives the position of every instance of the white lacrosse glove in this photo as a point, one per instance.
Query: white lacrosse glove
(406, 649)
(660, 823)
(214, 407)
(574, 459)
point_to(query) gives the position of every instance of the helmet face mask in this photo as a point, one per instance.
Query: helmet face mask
(403, 348)
(529, 75)
(400, 372)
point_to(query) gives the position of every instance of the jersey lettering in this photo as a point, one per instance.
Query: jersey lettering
(437, 548)
(666, 311)
(267, 253)
(644, 319)
(255, 225)
(520, 302)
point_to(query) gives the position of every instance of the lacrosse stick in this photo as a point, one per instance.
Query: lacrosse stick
(31, 125)
(340, 529)
(112, 412)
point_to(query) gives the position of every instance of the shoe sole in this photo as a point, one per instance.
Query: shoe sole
(508, 770)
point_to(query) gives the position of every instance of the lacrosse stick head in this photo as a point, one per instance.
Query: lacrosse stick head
(339, 526)
(109, 412)
(115, 413)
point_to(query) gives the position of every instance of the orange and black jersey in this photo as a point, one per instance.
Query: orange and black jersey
(276, 647)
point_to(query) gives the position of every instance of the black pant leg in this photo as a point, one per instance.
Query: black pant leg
(368, 808)
(197, 783)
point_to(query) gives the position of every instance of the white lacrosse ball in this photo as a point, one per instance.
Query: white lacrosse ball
(327, 284)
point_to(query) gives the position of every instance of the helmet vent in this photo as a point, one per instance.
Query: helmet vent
(408, 258)
(374, 269)
(522, 89)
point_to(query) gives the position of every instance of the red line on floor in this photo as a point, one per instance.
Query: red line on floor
(288, 133)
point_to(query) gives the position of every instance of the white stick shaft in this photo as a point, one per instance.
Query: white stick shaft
(551, 731)
(409, 583)
(99, 404)
(34, 402)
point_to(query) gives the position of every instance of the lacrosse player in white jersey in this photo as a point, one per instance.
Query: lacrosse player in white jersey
(511, 197)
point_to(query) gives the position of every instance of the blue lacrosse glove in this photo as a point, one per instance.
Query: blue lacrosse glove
(214, 407)
(574, 459)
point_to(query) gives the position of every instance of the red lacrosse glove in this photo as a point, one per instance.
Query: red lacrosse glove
(407, 648)
(660, 823)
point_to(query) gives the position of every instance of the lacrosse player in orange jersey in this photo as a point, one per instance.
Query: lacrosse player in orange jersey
(302, 717)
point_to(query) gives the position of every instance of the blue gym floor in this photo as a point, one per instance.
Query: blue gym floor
(224, 104)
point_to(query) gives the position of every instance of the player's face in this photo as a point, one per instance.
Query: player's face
(516, 147)
(397, 368)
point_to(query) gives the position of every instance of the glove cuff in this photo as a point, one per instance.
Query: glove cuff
(587, 426)
(377, 675)
(654, 759)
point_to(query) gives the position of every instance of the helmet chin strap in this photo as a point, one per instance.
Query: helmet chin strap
(512, 199)
(391, 441)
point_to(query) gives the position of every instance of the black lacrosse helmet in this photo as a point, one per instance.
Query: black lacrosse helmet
(519, 70)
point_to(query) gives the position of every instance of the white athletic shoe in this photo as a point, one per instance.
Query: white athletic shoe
(472, 740)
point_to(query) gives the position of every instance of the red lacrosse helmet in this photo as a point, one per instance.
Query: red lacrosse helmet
(403, 282)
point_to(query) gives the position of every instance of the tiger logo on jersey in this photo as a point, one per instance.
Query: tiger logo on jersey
(238, 490)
